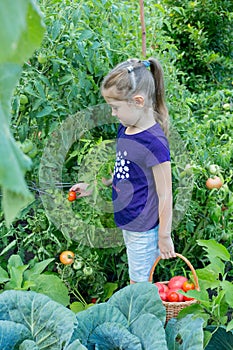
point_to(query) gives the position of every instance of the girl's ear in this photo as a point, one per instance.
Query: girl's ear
(139, 100)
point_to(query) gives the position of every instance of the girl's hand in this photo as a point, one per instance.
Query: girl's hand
(166, 248)
(81, 188)
(107, 182)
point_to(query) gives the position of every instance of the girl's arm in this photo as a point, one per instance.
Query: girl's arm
(84, 191)
(163, 182)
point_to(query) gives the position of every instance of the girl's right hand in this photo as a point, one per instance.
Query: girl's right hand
(81, 188)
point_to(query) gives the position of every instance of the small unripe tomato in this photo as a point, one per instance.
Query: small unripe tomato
(214, 169)
(72, 196)
(88, 271)
(42, 58)
(23, 99)
(66, 257)
(77, 264)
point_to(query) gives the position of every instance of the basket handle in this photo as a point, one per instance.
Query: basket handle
(186, 261)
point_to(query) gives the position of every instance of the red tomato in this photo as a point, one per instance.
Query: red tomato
(172, 296)
(66, 257)
(163, 296)
(188, 286)
(214, 182)
(159, 286)
(181, 297)
(93, 300)
(187, 298)
(165, 288)
(176, 282)
(72, 196)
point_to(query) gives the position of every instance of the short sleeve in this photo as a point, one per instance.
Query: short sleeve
(158, 151)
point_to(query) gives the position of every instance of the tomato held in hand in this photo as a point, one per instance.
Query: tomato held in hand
(66, 257)
(72, 196)
(188, 286)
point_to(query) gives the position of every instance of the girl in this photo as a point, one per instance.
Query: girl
(141, 183)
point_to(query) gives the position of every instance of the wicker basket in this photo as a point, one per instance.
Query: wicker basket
(173, 308)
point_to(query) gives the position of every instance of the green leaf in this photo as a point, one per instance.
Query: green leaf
(50, 324)
(76, 345)
(53, 287)
(3, 275)
(186, 333)
(196, 310)
(45, 111)
(109, 288)
(21, 32)
(207, 278)
(140, 299)
(28, 344)
(110, 335)
(149, 329)
(16, 270)
(11, 334)
(214, 249)
(89, 319)
(37, 269)
(229, 326)
(77, 306)
(228, 288)
(65, 79)
(221, 339)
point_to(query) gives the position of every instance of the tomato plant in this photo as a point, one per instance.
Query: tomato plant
(67, 257)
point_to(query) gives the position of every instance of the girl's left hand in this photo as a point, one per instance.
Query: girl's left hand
(166, 248)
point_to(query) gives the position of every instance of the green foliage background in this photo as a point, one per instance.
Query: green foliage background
(83, 41)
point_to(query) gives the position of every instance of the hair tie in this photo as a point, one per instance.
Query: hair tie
(146, 63)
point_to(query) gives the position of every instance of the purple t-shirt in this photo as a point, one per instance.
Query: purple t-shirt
(135, 200)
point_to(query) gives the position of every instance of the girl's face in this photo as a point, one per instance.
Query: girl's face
(128, 112)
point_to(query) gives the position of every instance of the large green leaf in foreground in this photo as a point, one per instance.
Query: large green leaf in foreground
(21, 32)
(47, 324)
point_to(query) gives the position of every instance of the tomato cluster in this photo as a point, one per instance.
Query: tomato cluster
(72, 196)
(169, 291)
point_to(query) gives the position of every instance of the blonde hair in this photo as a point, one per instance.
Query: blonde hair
(132, 77)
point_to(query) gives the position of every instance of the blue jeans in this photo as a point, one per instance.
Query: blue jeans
(142, 251)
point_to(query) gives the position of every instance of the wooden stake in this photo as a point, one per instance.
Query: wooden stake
(142, 18)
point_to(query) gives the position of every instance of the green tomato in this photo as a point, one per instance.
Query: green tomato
(32, 153)
(88, 271)
(214, 168)
(23, 99)
(42, 58)
(227, 106)
(27, 146)
(77, 265)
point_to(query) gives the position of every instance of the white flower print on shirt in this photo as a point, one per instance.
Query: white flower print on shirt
(121, 168)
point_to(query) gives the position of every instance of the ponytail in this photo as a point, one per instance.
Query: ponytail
(159, 105)
(133, 76)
